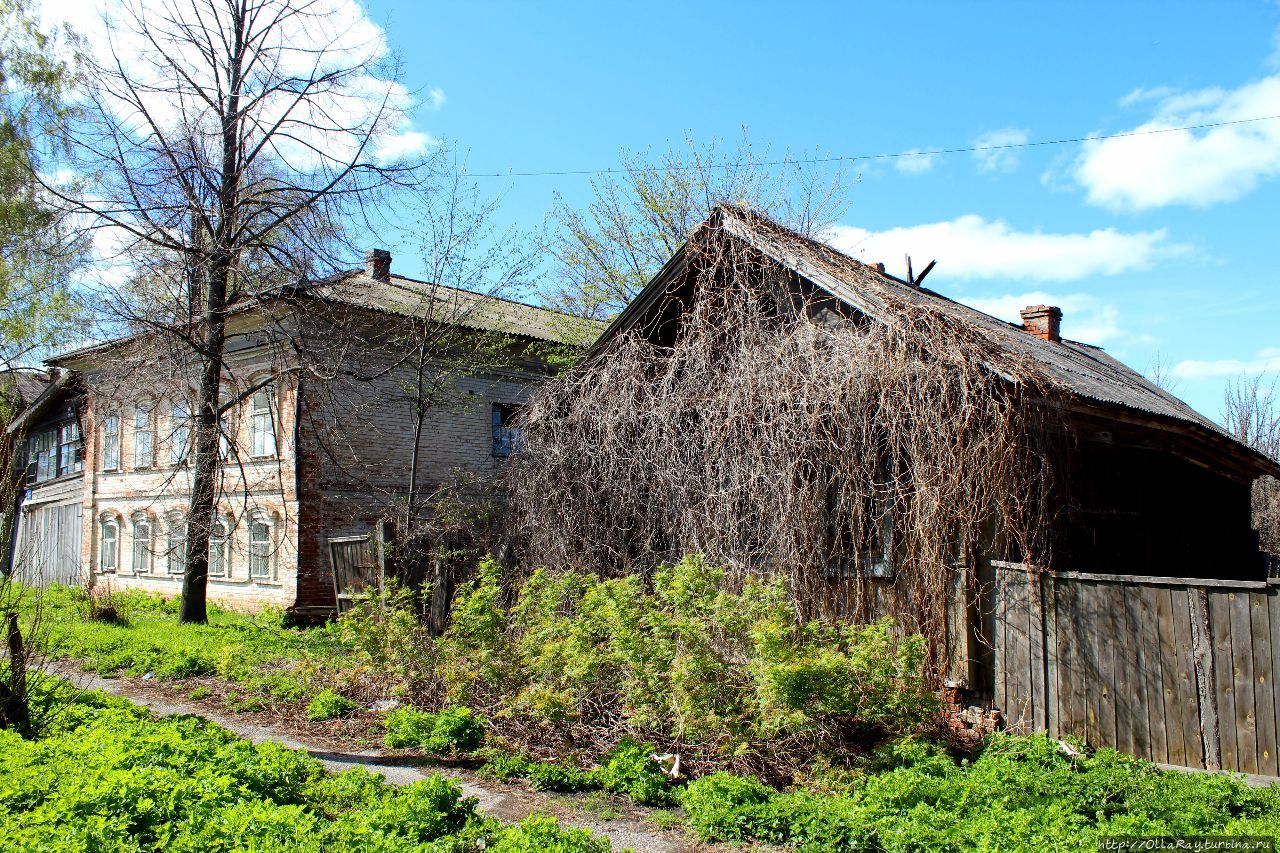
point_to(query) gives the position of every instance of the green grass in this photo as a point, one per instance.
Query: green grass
(1021, 793)
(253, 652)
(108, 776)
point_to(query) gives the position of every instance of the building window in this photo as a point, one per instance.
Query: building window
(108, 546)
(44, 450)
(143, 438)
(176, 546)
(260, 547)
(141, 544)
(111, 443)
(508, 437)
(262, 426)
(70, 449)
(218, 550)
(180, 439)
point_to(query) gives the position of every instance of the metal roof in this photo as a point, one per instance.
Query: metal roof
(1084, 371)
(484, 312)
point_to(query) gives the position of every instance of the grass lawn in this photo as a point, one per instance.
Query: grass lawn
(108, 776)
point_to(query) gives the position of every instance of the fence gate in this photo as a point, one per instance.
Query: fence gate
(356, 568)
(1179, 671)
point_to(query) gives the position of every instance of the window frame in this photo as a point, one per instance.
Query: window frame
(180, 432)
(72, 447)
(218, 543)
(507, 439)
(111, 443)
(146, 545)
(105, 523)
(260, 417)
(175, 522)
(150, 432)
(258, 557)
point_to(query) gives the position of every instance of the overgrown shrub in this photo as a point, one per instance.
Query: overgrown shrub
(453, 729)
(682, 659)
(328, 705)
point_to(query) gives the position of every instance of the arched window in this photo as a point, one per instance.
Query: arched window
(141, 544)
(218, 566)
(176, 543)
(108, 545)
(261, 547)
(262, 425)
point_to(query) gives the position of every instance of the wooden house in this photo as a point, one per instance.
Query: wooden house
(1152, 624)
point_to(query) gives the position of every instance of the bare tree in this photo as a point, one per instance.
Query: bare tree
(644, 212)
(228, 139)
(1251, 412)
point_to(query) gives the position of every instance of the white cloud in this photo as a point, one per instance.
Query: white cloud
(915, 162)
(328, 35)
(1188, 167)
(972, 247)
(996, 157)
(1267, 360)
(1085, 318)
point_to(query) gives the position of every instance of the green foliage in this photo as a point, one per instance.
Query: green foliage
(687, 661)
(38, 250)
(454, 729)
(111, 777)
(630, 769)
(328, 705)
(1022, 793)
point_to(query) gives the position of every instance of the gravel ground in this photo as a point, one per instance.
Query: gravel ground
(507, 802)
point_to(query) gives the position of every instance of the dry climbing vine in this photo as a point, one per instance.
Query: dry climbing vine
(774, 436)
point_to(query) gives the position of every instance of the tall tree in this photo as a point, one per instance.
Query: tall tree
(37, 250)
(1251, 412)
(227, 138)
(641, 213)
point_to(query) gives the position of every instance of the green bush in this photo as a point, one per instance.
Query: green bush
(630, 769)
(111, 777)
(452, 730)
(683, 661)
(328, 705)
(1021, 793)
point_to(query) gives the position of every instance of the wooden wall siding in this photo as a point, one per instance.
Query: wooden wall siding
(1177, 671)
(48, 544)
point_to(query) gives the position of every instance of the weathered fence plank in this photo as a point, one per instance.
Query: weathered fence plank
(1175, 670)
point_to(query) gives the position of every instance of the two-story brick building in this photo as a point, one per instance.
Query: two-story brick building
(318, 435)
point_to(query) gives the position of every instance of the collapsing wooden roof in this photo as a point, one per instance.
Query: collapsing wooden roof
(1087, 375)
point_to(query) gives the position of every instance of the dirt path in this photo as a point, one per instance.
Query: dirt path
(507, 802)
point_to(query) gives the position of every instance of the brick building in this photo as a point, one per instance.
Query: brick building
(318, 435)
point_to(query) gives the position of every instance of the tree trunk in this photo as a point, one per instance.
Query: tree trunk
(208, 461)
(15, 713)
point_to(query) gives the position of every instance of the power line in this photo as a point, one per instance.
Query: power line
(850, 158)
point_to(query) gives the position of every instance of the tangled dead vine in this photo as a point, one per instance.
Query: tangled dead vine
(775, 437)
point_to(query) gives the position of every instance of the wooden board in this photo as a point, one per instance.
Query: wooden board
(1224, 682)
(1192, 733)
(1172, 701)
(1263, 681)
(1246, 719)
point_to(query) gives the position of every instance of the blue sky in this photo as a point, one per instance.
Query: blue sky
(1161, 244)
(1153, 245)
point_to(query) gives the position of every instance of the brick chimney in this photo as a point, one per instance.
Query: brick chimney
(1043, 321)
(377, 264)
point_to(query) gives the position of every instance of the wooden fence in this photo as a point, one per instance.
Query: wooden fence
(1179, 671)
